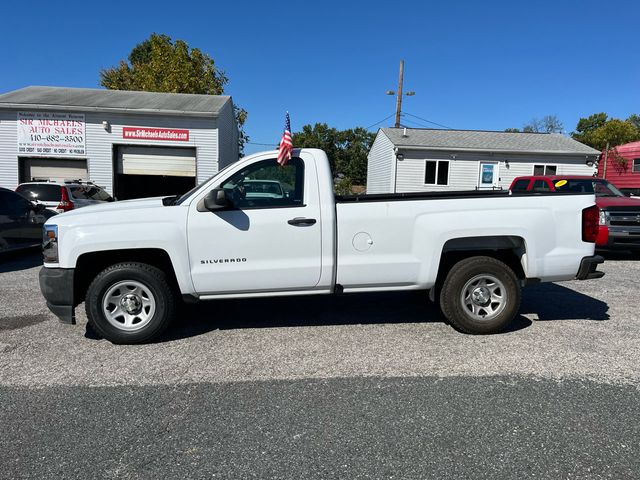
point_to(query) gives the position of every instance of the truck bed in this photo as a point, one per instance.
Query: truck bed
(457, 194)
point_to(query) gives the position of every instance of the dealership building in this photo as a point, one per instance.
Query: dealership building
(134, 144)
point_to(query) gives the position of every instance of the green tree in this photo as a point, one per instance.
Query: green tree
(159, 64)
(347, 149)
(634, 120)
(598, 129)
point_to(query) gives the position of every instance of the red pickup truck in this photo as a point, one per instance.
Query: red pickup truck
(619, 213)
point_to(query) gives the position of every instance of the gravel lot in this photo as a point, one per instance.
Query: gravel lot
(370, 386)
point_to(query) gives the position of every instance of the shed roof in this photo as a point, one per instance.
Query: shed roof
(94, 99)
(629, 148)
(482, 140)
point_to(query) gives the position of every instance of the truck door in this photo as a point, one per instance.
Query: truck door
(269, 240)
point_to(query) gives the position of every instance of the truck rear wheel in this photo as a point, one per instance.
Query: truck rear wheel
(130, 303)
(480, 295)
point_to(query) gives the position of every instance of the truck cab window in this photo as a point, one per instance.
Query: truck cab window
(266, 184)
(540, 186)
(521, 185)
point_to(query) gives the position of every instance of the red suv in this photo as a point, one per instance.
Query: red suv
(619, 213)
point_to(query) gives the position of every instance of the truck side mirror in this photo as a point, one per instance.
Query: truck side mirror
(217, 199)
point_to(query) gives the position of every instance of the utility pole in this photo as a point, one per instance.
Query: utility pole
(398, 93)
(399, 100)
(606, 159)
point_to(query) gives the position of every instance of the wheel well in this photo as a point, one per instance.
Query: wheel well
(507, 249)
(90, 264)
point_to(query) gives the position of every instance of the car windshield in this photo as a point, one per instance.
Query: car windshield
(601, 188)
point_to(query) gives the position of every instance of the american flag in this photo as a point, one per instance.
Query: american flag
(286, 144)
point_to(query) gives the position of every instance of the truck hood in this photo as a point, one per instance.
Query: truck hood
(92, 212)
(612, 202)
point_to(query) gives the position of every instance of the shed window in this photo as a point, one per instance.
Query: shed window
(545, 169)
(436, 172)
(636, 165)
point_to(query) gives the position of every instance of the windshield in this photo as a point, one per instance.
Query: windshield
(600, 187)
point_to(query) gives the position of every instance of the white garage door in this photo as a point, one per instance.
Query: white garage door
(54, 169)
(176, 162)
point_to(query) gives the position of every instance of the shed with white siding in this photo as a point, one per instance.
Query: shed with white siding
(417, 160)
(134, 144)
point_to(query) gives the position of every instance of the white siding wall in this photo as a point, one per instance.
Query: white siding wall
(203, 135)
(464, 170)
(228, 135)
(8, 149)
(380, 165)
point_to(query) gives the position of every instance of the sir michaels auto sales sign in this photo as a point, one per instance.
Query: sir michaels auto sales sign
(51, 133)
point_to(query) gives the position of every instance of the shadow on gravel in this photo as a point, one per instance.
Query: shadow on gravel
(551, 301)
(547, 301)
(16, 323)
(20, 260)
(365, 309)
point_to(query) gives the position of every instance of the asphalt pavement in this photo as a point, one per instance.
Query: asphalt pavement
(368, 386)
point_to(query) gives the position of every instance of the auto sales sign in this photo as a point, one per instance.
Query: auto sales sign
(51, 134)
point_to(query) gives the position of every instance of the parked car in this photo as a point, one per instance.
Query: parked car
(62, 197)
(263, 189)
(21, 221)
(131, 262)
(619, 213)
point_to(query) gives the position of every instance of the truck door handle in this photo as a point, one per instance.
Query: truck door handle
(301, 221)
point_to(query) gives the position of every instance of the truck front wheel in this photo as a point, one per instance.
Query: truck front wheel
(480, 295)
(130, 303)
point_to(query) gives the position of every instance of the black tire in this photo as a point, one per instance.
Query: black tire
(155, 284)
(502, 311)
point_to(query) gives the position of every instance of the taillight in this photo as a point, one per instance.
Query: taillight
(65, 202)
(590, 221)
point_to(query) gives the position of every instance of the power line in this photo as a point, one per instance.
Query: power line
(385, 118)
(428, 121)
(263, 144)
(415, 123)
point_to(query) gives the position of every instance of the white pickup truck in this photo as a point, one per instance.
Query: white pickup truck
(131, 261)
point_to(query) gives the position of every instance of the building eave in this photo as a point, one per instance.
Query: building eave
(140, 111)
(496, 150)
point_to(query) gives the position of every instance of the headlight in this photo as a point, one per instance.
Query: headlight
(50, 243)
(604, 218)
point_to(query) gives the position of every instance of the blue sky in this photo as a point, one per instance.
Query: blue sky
(473, 64)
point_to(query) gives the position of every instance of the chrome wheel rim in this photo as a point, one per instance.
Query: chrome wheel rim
(483, 297)
(128, 305)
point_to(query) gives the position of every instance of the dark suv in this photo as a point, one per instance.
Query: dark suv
(62, 197)
(20, 221)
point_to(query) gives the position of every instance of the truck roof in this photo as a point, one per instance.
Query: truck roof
(558, 177)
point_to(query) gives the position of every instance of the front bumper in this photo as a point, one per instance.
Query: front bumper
(56, 285)
(588, 267)
(623, 237)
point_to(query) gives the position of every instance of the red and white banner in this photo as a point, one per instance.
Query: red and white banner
(143, 133)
